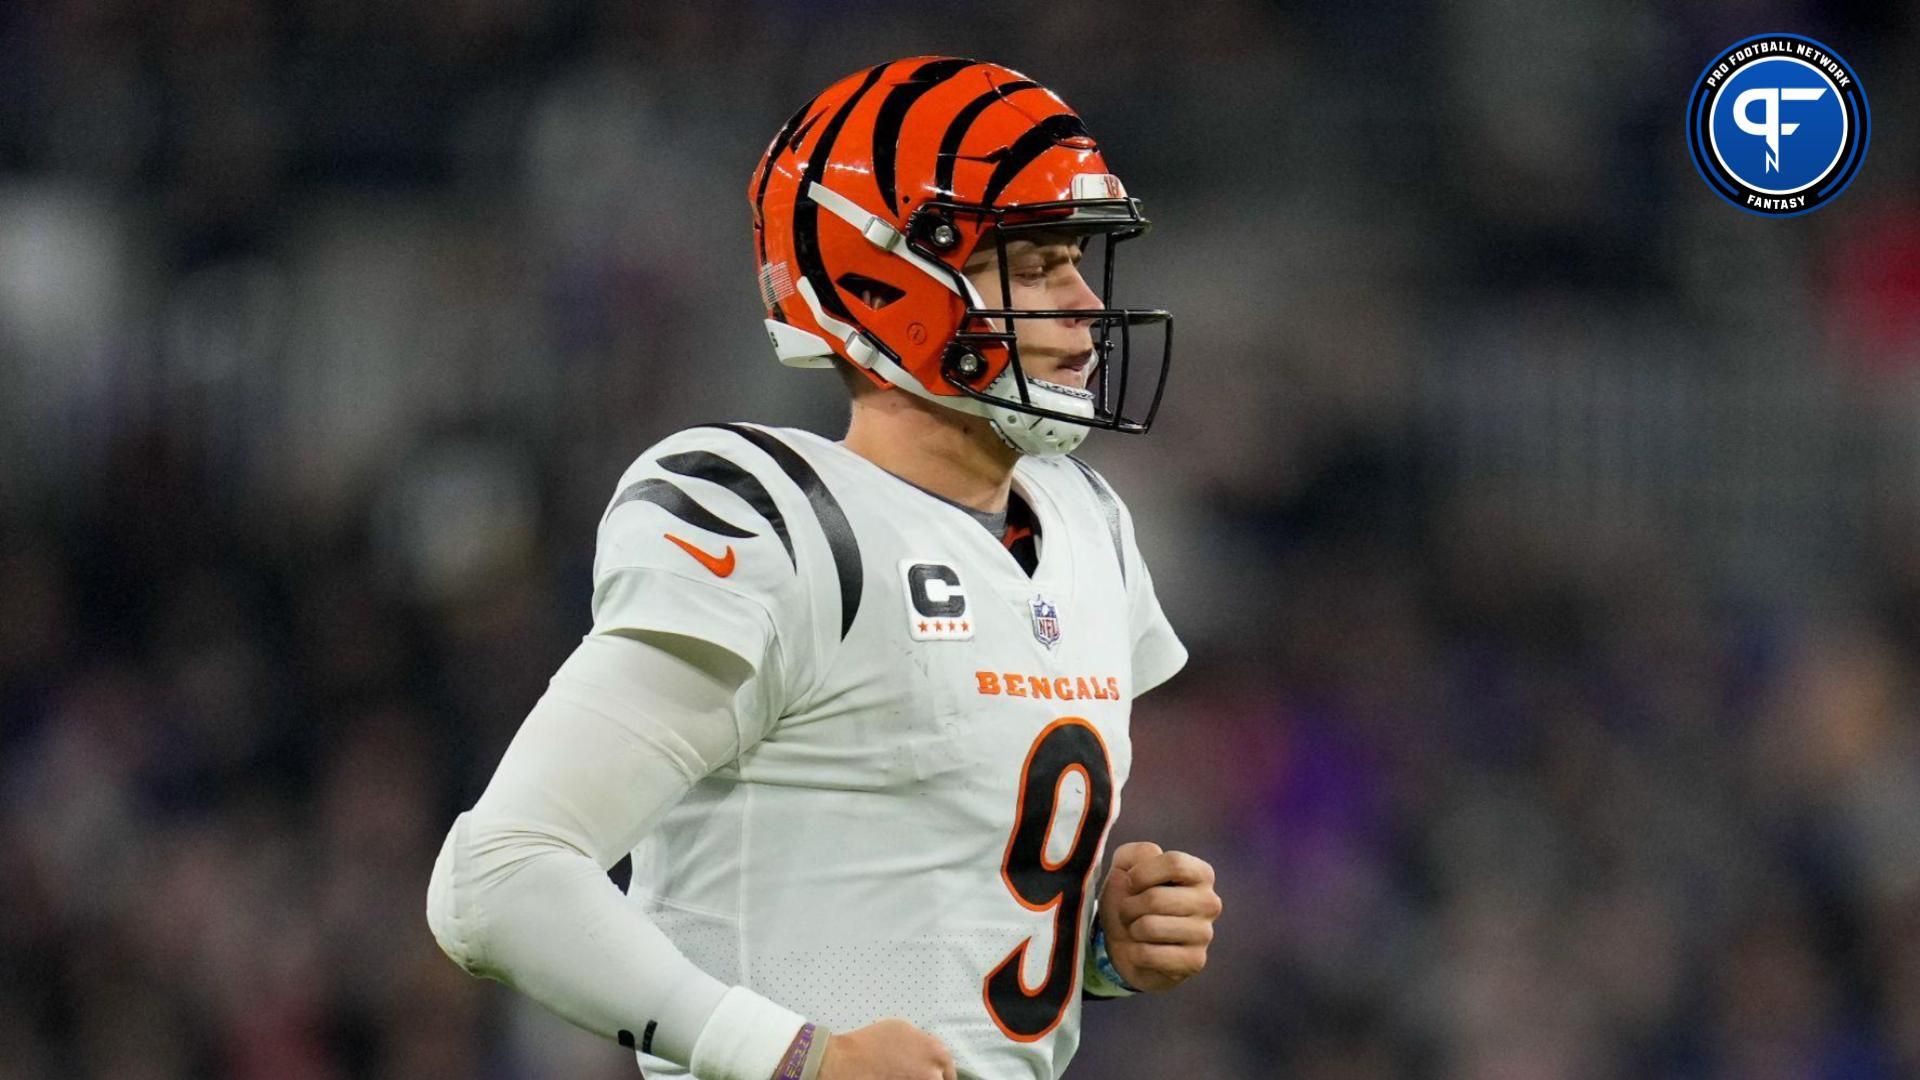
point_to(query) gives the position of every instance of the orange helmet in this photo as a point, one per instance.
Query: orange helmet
(871, 199)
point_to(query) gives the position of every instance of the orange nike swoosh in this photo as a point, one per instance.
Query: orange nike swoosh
(721, 565)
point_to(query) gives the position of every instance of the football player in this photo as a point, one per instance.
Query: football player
(859, 709)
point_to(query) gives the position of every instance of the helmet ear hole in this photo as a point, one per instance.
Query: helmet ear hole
(872, 292)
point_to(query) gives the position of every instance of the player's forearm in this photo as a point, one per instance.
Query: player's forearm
(521, 908)
(520, 893)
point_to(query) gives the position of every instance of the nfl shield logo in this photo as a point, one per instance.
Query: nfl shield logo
(1046, 622)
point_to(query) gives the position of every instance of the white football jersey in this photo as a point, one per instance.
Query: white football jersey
(933, 743)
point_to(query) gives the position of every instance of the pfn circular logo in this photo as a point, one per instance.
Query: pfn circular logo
(1778, 124)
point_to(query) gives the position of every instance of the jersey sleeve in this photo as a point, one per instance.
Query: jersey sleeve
(1157, 652)
(696, 542)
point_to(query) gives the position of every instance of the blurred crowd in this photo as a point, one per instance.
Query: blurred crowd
(1544, 528)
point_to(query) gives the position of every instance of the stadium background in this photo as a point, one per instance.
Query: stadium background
(1543, 527)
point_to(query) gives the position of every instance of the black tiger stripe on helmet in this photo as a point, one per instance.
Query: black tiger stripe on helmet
(806, 213)
(893, 115)
(962, 122)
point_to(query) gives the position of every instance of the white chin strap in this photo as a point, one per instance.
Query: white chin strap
(1039, 436)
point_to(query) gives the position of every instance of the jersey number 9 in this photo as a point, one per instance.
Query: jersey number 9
(1066, 746)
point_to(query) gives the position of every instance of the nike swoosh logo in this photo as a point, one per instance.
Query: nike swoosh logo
(721, 565)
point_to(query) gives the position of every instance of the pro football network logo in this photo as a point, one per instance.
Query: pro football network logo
(1046, 622)
(1778, 124)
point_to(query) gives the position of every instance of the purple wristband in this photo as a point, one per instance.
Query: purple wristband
(794, 1065)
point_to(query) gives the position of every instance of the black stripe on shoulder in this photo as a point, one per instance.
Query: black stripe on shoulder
(1040, 138)
(1110, 504)
(664, 494)
(956, 132)
(833, 520)
(711, 467)
(893, 114)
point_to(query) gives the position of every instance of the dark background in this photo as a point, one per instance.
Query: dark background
(1543, 527)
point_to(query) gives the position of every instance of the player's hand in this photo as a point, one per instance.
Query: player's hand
(886, 1050)
(1157, 909)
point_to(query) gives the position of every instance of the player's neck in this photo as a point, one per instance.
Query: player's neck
(953, 455)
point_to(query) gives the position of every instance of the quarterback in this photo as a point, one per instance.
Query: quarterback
(858, 709)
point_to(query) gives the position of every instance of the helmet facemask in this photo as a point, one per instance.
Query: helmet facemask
(983, 360)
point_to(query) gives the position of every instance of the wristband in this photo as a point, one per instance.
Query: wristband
(805, 1054)
(1103, 978)
(817, 1056)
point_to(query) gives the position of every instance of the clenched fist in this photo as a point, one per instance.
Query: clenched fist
(1157, 909)
(886, 1050)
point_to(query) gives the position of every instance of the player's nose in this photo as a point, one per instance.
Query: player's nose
(1080, 297)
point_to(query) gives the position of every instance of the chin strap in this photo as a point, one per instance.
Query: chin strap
(1040, 436)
